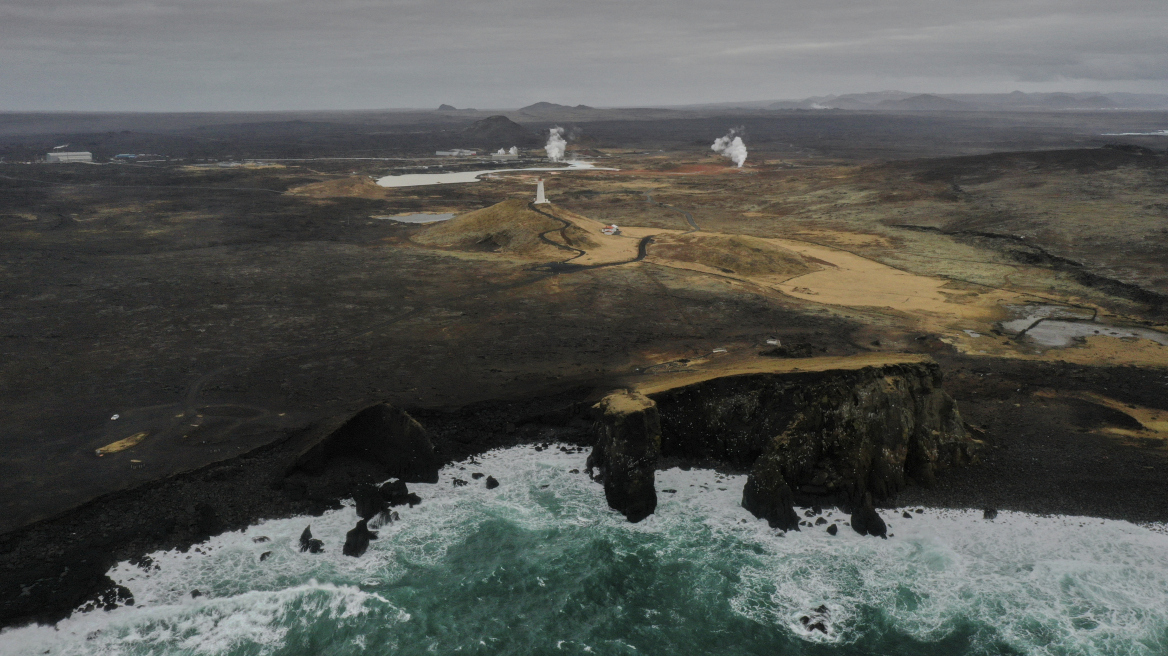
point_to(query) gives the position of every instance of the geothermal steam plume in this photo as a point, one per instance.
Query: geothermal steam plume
(731, 146)
(556, 145)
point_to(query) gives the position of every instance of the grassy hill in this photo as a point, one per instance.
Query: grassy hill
(507, 227)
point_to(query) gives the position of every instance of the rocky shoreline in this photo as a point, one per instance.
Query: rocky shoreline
(51, 568)
(830, 438)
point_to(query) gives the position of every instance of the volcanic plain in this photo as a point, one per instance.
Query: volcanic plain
(162, 317)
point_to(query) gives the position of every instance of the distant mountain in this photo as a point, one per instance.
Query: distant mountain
(550, 108)
(1014, 101)
(871, 100)
(499, 132)
(1068, 101)
(447, 108)
(925, 102)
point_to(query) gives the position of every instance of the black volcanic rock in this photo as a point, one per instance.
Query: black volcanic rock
(866, 521)
(309, 543)
(767, 496)
(832, 530)
(628, 444)
(382, 434)
(369, 501)
(492, 483)
(830, 435)
(357, 539)
(396, 493)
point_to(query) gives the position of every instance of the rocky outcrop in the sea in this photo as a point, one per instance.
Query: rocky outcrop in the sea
(357, 539)
(814, 438)
(368, 501)
(309, 543)
(768, 496)
(866, 521)
(382, 434)
(628, 444)
(396, 493)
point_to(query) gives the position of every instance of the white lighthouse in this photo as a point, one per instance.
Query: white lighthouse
(539, 197)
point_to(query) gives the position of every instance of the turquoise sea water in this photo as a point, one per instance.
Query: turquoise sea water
(540, 565)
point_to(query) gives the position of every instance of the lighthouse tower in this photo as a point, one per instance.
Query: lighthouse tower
(539, 197)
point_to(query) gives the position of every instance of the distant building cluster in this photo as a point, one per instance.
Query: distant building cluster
(61, 157)
(457, 152)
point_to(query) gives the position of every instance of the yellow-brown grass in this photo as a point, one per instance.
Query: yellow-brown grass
(747, 256)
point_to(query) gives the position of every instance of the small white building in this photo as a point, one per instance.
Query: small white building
(80, 156)
(540, 199)
(610, 230)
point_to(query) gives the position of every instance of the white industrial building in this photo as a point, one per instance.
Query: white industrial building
(80, 156)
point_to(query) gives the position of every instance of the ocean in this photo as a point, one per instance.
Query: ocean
(541, 565)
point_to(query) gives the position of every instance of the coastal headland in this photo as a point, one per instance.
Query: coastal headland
(179, 337)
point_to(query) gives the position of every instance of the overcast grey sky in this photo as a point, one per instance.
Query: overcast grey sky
(351, 54)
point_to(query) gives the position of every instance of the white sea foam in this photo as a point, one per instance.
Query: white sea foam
(1044, 585)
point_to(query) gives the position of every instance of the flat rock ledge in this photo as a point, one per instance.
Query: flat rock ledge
(815, 438)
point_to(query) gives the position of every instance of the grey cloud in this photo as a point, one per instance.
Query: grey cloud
(270, 54)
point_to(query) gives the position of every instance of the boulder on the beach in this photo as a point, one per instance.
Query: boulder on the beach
(492, 483)
(866, 521)
(832, 530)
(628, 444)
(357, 539)
(989, 513)
(382, 434)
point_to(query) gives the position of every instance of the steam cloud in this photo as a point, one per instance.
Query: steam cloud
(731, 146)
(556, 145)
(514, 151)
